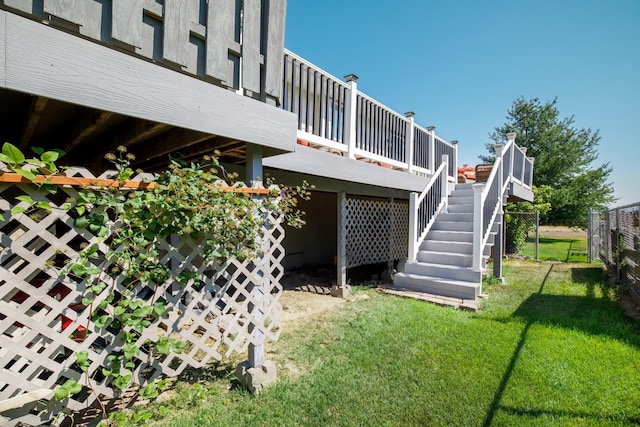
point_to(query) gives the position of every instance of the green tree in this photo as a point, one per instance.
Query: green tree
(565, 158)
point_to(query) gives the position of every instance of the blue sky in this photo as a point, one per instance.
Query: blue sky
(460, 64)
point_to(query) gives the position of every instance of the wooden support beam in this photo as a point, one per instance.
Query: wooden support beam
(129, 133)
(170, 142)
(38, 103)
(87, 123)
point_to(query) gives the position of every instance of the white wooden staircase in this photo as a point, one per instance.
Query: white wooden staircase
(443, 264)
(451, 234)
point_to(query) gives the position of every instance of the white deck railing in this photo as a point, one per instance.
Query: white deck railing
(511, 165)
(335, 115)
(424, 208)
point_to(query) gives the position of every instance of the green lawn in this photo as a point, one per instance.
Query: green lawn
(550, 249)
(551, 348)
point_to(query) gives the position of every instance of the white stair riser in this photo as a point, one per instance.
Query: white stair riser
(437, 287)
(452, 236)
(455, 216)
(452, 226)
(460, 260)
(446, 272)
(462, 193)
(460, 209)
(447, 246)
(453, 200)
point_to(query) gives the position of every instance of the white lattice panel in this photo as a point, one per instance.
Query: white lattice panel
(376, 230)
(43, 322)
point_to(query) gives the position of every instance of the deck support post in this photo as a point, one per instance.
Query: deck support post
(498, 250)
(341, 289)
(431, 130)
(350, 114)
(254, 165)
(409, 141)
(256, 372)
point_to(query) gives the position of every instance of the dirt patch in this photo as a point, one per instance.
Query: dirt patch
(299, 306)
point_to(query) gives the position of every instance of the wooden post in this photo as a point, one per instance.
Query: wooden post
(511, 137)
(409, 141)
(350, 114)
(413, 227)
(445, 183)
(455, 160)
(254, 165)
(254, 177)
(431, 130)
(341, 258)
(477, 226)
(498, 251)
(392, 220)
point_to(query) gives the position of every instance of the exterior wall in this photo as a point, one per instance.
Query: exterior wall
(315, 243)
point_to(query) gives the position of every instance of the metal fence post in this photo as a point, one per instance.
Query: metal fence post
(537, 235)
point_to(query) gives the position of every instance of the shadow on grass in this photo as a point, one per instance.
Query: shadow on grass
(589, 313)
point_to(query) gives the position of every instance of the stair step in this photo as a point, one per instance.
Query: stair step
(466, 186)
(463, 192)
(460, 200)
(460, 209)
(436, 285)
(449, 235)
(444, 271)
(456, 216)
(452, 226)
(449, 258)
(447, 246)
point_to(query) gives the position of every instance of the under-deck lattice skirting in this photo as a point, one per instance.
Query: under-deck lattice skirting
(43, 321)
(377, 230)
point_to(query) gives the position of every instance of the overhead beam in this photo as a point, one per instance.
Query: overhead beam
(89, 121)
(169, 142)
(53, 64)
(36, 107)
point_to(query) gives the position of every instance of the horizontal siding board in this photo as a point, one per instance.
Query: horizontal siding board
(51, 63)
(3, 37)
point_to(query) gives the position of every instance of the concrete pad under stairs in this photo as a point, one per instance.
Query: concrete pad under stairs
(457, 303)
(443, 264)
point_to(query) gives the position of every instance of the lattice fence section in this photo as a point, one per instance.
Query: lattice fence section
(377, 230)
(43, 321)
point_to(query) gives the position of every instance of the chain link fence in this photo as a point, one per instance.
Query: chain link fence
(522, 234)
(614, 237)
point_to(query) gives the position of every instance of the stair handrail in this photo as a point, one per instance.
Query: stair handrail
(511, 166)
(488, 197)
(424, 207)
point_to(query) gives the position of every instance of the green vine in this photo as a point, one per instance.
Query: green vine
(186, 200)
